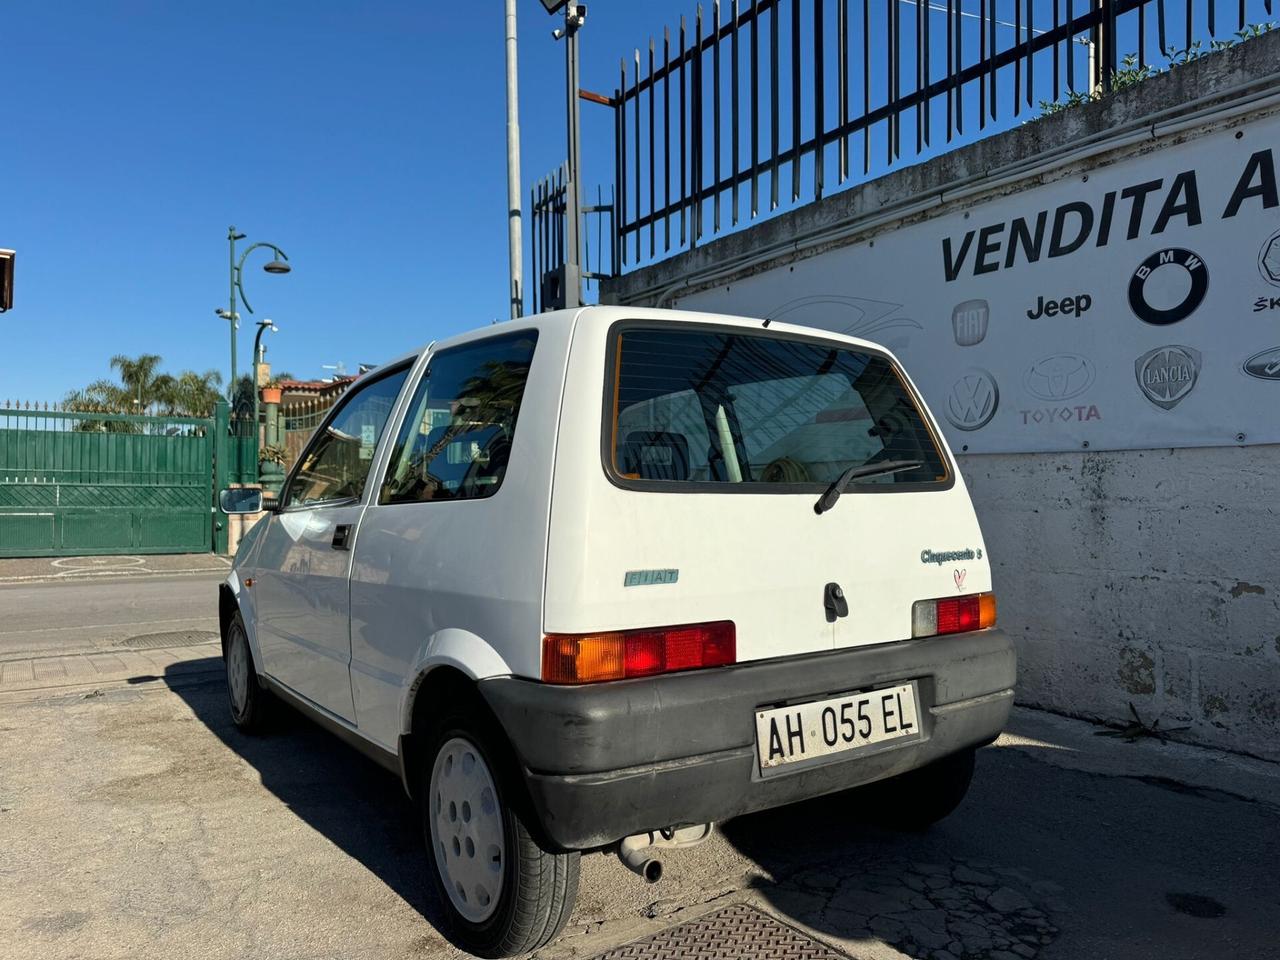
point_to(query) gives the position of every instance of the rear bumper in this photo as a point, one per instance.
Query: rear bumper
(607, 760)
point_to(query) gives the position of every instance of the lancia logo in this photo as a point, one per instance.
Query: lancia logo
(1059, 377)
(1168, 286)
(973, 400)
(969, 322)
(1264, 365)
(1167, 374)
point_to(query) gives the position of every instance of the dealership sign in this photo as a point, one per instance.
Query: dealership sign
(1135, 307)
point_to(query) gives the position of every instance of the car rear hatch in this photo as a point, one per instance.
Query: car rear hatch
(690, 460)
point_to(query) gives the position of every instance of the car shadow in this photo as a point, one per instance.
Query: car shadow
(345, 797)
(927, 894)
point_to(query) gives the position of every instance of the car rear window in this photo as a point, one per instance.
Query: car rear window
(716, 406)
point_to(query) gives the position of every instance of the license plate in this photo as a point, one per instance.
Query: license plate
(806, 731)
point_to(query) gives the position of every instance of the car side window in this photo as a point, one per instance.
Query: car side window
(455, 442)
(335, 465)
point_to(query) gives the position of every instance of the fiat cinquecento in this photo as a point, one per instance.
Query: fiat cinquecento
(600, 578)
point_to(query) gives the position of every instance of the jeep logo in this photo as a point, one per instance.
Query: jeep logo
(1067, 306)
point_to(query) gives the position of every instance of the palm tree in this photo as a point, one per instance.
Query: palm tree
(142, 384)
(189, 394)
(141, 388)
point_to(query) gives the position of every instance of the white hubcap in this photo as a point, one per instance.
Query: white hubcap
(238, 669)
(466, 829)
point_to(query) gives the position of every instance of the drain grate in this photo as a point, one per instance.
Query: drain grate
(738, 932)
(171, 638)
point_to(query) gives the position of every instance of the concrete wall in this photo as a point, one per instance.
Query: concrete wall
(1142, 577)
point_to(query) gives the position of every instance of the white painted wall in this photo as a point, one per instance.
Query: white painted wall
(1148, 577)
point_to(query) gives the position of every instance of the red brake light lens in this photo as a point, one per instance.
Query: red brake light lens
(953, 615)
(592, 657)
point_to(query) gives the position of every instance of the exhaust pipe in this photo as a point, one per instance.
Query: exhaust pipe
(634, 853)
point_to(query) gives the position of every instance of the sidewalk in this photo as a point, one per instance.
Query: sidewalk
(44, 678)
(36, 569)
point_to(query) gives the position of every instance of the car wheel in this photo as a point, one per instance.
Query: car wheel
(246, 697)
(918, 799)
(505, 893)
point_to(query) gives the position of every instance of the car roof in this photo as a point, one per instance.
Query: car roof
(609, 314)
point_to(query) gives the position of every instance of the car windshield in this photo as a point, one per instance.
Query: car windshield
(704, 406)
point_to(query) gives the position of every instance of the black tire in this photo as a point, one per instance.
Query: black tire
(538, 885)
(245, 695)
(916, 800)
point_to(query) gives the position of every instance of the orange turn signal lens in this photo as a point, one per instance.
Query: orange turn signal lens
(986, 610)
(616, 655)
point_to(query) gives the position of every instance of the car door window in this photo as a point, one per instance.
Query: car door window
(455, 442)
(336, 463)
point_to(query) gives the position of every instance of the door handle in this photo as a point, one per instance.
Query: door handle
(834, 601)
(342, 536)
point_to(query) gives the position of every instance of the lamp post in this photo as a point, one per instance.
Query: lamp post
(575, 15)
(263, 326)
(279, 265)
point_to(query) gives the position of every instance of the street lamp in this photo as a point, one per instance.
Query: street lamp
(263, 327)
(278, 265)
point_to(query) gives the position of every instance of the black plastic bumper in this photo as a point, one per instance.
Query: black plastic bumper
(607, 760)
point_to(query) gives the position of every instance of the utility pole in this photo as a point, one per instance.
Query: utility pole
(514, 240)
(575, 15)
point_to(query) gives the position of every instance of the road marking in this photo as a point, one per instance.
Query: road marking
(103, 626)
(123, 573)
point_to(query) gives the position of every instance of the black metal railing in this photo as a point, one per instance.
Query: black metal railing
(547, 241)
(766, 105)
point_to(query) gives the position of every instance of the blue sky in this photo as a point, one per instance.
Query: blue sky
(367, 140)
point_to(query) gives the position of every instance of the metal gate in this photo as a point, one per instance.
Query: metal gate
(102, 483)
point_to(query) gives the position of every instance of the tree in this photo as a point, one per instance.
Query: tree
(142, 388)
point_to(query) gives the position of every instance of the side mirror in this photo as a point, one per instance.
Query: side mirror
(240, 500)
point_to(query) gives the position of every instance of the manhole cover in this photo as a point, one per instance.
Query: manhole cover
(739, 932)
(171, 638)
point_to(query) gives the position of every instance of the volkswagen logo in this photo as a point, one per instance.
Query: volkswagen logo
(973, 400)
(1059, 377)
(1167, 374)
(1168, 286)
(1264, 365)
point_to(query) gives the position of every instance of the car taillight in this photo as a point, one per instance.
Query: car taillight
(617, 655)
(931, 618)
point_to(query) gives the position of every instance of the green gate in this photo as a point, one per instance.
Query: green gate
(102, 483)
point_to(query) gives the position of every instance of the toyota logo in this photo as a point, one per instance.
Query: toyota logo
(973, 400)
(1059, 377)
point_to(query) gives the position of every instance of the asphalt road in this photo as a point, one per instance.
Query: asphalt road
(106, 613)
(141, 824)
(135, 821)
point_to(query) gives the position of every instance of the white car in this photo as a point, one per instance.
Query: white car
(599, 578)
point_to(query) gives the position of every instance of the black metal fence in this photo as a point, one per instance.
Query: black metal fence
(547, 240)
(759, 109)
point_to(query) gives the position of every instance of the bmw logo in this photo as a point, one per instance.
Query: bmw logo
(1168, 286)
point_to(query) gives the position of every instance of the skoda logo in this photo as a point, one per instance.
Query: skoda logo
(1264, 365)
(1269, 259)
(1059, 377)
(1168, 286)
(1167, 374)
(973, 400)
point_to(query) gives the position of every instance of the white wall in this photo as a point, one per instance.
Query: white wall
(1148, 577)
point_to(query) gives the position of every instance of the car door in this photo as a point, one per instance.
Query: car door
(301, 581)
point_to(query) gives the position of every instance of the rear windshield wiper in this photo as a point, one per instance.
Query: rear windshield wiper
(862, 471)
